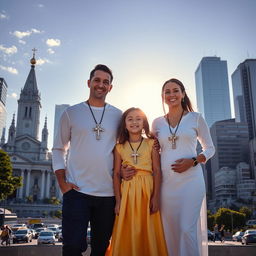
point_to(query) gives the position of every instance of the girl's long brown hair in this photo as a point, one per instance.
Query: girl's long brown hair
(123, 134)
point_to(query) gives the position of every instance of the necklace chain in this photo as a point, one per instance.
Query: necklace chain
(94, 115)
(135, 152)
(98, 129)
(173, 136)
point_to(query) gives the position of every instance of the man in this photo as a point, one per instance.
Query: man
(88, 132)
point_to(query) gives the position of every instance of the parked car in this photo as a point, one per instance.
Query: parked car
(56, 231)
(24, 235)
(60, 238)
(251, 223)
(237, 236)
(15, 227)
(210, 235)
(52, 226)
(249, 236)
(38, 230)
(37, 225)
(46, 237)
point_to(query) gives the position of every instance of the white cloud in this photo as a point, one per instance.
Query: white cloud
(50, 51)
(3, 16)
(53, 42)
(36, 31)
(10, 50)
(22, 41)
(40, 5)
(21, 34)
(9, 69)
(13, 95)
(42, 61)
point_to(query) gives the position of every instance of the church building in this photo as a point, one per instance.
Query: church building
(29, 153)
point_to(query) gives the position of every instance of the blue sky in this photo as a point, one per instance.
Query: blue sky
(144, 42)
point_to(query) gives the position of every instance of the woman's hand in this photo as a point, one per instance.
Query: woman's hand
(117, 208)
(154, 204)
(182, 165)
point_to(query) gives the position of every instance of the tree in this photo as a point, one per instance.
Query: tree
(246, 211)
(231, 219)
(8, 182)
(210, 219)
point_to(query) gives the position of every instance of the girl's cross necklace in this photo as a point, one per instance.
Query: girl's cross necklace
(173, 136)
(135, 153)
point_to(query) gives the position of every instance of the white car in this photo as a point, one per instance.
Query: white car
(46, 237)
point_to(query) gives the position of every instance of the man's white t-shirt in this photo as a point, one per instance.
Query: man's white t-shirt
(89, 162)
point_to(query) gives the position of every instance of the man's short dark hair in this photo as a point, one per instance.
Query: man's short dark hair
(103, 68)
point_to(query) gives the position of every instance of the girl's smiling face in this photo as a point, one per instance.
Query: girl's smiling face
(134, 122)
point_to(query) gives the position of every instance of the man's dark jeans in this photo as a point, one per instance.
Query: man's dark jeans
(78, 210)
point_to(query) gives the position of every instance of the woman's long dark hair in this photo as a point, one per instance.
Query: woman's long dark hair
(123, 134)
(185, 103)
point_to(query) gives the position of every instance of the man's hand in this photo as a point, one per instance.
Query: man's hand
(127, 172)
(65, 187)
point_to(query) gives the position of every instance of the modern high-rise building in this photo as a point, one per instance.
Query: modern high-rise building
(3, 113)
(59, 109)
(244, 91)
(231, 143)
(212, 89)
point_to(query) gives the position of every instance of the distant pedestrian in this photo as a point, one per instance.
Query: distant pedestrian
(216, 232)
(5, 235)
(222, 233)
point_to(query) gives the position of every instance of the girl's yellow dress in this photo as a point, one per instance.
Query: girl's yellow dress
(136, 232)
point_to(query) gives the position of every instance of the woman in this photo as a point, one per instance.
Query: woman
(183, 187)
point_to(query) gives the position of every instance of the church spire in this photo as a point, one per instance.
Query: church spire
(44, 142)
(12, 131)
(29, 104)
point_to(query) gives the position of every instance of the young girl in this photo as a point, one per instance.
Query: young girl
(138, 228)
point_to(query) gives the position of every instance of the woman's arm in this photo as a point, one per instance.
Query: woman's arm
(157, 179)
(117, 180)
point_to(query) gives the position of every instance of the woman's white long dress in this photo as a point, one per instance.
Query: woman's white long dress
(183, 194)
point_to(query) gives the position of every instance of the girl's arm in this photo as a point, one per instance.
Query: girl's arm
(117, 180)
(157, 179)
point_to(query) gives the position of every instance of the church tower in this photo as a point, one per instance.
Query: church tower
(44, 142)
(29, 105)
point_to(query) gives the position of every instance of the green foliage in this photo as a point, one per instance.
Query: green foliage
(57, 214)
(231, 219)
(246, 211)
(8, 182)
(210, 220)
(30, 199)
(52, 200)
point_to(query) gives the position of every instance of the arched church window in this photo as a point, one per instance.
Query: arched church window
(26, 111)
(30, 111)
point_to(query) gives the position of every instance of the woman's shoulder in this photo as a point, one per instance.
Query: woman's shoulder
(158, 120)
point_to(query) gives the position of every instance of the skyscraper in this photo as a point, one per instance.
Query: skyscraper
(3, 113)
(212, 89)
(244, 90)
(231, 143)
